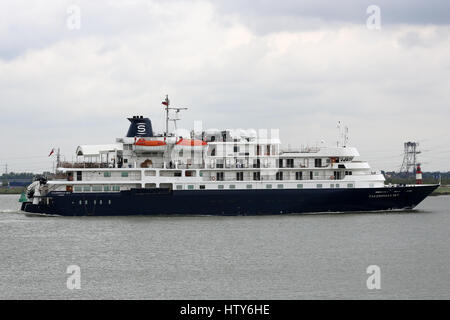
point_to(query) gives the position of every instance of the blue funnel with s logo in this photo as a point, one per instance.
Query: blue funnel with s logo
(140, 127)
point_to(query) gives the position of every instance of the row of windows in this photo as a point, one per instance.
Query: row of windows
(239, 175)
(268, 186)
(278, 176)
(86, 202)
(108, 188)
(98, 188)
(107, 174)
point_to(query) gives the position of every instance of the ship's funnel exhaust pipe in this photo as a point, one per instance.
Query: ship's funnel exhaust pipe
(140, 127)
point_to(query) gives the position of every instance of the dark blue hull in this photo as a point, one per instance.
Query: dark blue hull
(230, 202)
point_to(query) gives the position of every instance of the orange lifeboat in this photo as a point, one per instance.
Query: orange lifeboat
(149, 145)
(191, 144)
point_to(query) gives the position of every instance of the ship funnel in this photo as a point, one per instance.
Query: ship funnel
(140, 127)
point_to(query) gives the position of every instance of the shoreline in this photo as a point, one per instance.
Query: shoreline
(13, 190)
(441, 191)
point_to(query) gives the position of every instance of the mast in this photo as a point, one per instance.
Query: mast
(58, 158)
(166, 102)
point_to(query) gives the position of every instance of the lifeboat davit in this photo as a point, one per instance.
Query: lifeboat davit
(149, 145)
(191, 144)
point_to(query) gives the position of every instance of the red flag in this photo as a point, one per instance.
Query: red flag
(51, 152)
(165, 103)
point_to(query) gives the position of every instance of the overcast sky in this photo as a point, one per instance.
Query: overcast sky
(300, 66)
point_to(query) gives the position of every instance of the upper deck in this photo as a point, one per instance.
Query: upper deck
(213, 158)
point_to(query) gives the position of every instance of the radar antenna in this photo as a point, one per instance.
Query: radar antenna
(166, 102)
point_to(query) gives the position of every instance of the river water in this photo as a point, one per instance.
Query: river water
(274, 257)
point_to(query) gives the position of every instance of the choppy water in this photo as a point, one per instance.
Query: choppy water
(275, 257)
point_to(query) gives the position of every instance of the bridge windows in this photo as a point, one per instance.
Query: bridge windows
(279, 176)
(257, 176)
(79, 175)
(350, 185)
(298, 175)
(240, 176)
(299, 186)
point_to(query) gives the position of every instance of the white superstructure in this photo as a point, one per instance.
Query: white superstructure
(210, 159)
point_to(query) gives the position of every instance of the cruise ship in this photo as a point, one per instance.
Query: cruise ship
(214, 172)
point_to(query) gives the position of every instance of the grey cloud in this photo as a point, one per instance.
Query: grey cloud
(400, 11)
(264, 16)
(28, 27)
